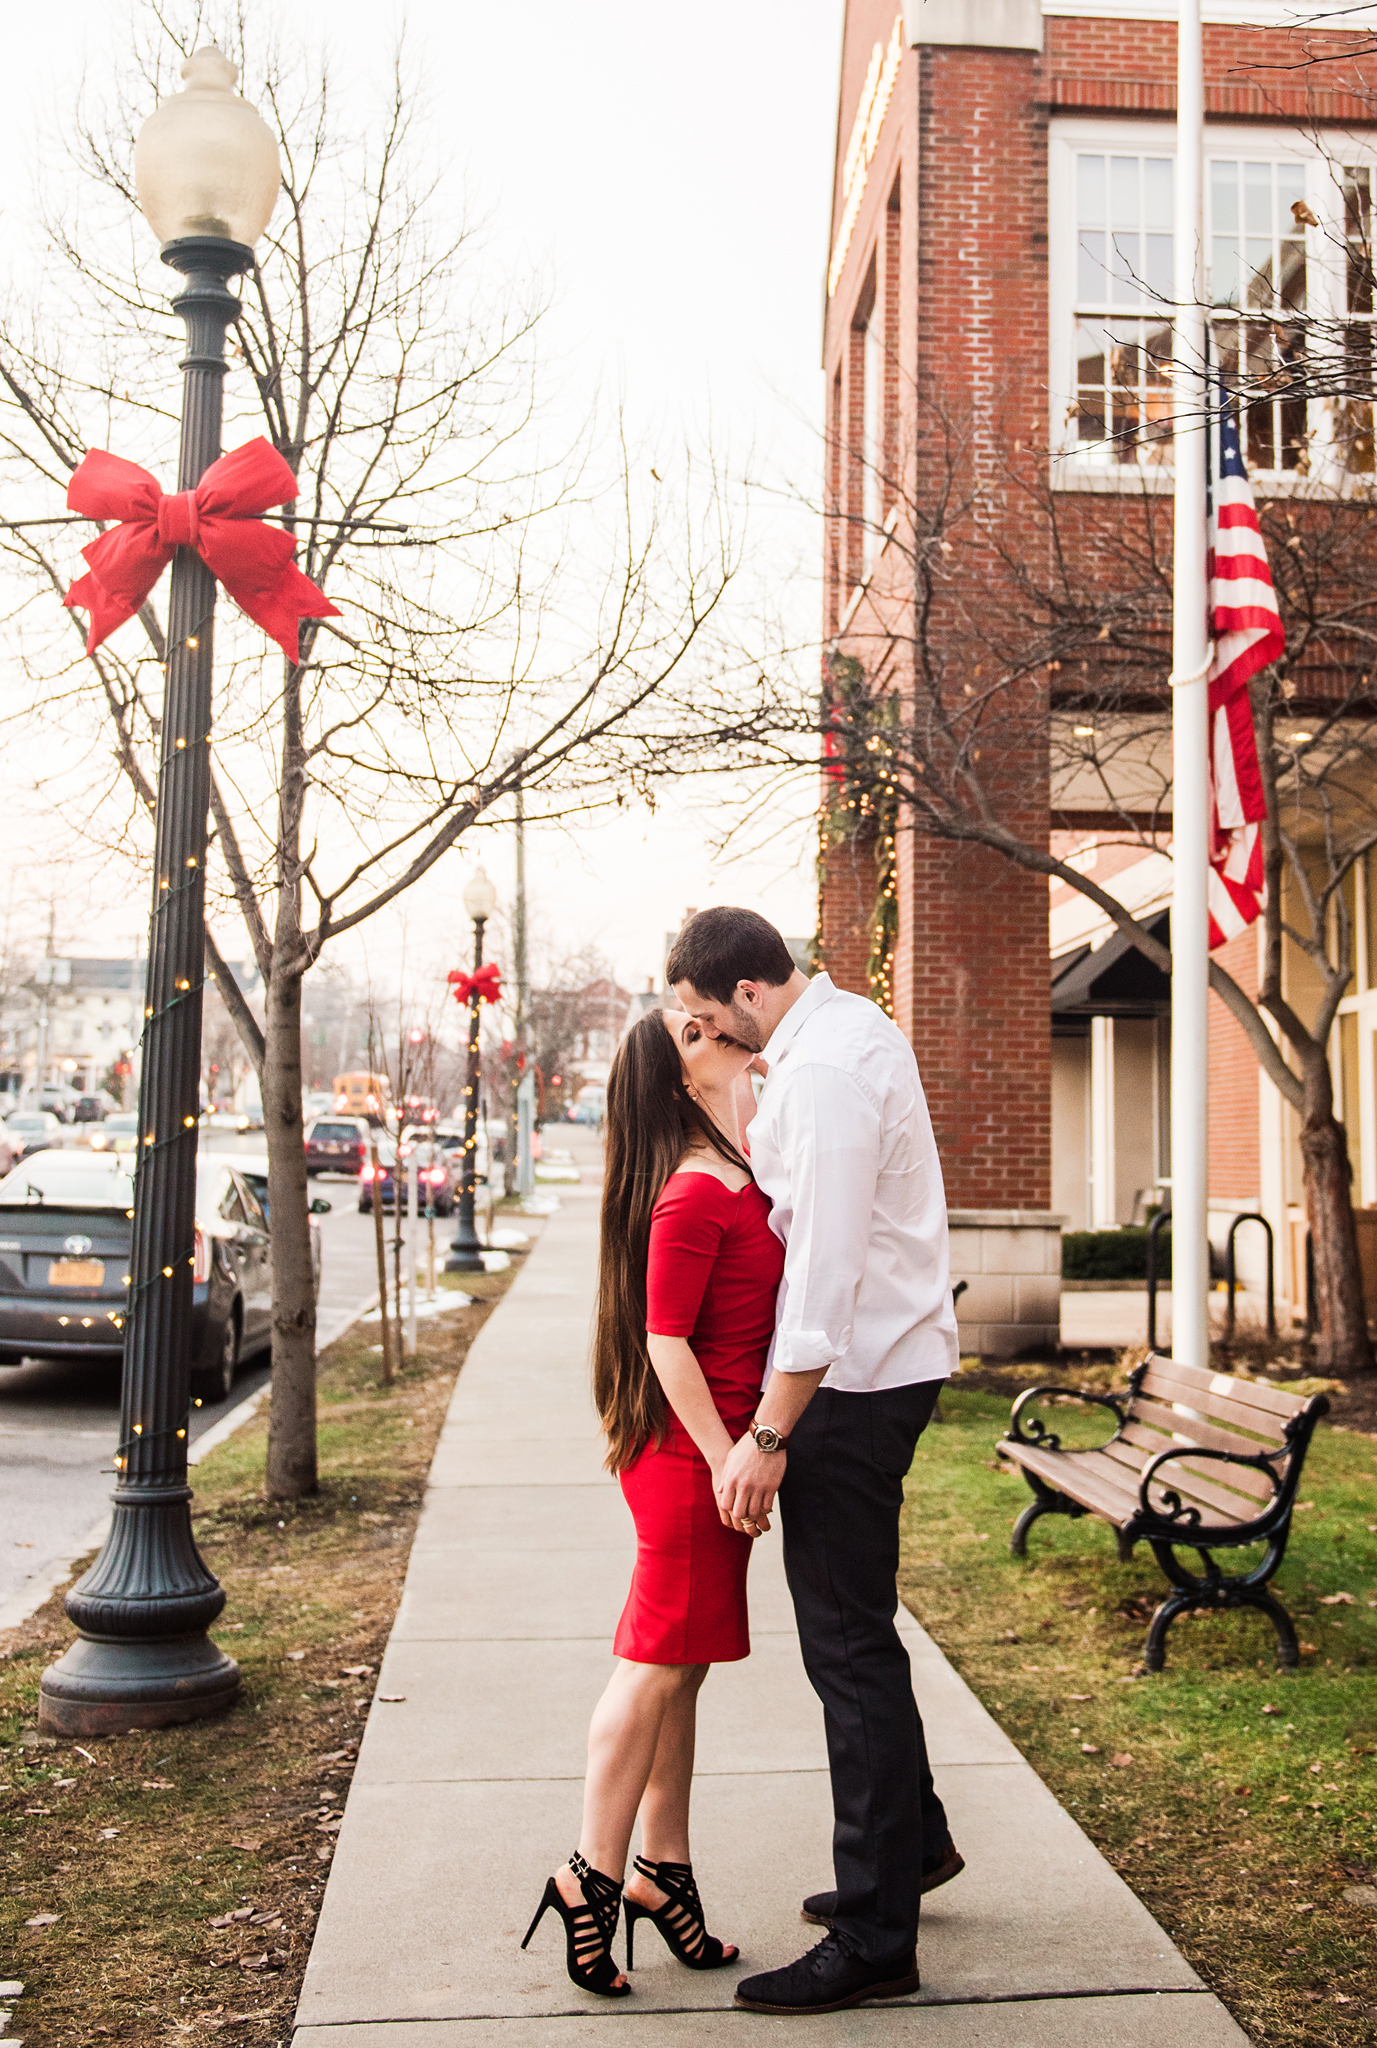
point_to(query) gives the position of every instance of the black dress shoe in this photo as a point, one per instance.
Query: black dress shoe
(829, 1978)
(820, 1908)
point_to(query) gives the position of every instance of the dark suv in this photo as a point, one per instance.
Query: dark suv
(336, 1144)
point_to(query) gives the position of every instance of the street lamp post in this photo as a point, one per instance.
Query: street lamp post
(207, 172)
(466, 1253)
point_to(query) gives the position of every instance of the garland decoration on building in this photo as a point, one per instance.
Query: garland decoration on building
(861, 803)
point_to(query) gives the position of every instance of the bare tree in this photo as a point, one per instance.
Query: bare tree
(475, 647)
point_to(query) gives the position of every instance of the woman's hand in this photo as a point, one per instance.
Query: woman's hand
(758, 1525)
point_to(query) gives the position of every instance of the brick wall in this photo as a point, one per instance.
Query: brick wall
(1251, 74)
(846, 897)
(1235, 1144)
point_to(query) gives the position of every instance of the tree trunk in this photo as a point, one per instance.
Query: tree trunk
(1342, 1346)
(292, 1422)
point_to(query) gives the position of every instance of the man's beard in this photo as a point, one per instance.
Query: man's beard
(745, 1028)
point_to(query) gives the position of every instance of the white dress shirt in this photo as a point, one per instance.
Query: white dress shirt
(842, 1145)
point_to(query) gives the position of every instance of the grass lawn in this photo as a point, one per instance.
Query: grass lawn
(163, 1887)
(1238, 1801)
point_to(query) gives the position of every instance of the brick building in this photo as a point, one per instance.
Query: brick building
(995, 337)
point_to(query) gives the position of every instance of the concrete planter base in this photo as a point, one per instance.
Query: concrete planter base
(1010, 1260)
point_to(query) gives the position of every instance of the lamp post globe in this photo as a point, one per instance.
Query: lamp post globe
(207, 175)
(466, 1252)
(480, 897)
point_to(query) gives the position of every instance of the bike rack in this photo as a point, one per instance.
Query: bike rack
(1231, 1275)
(1163, 1216)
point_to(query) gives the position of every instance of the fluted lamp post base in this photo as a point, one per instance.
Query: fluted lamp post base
(107, 1686)
(143, 1658)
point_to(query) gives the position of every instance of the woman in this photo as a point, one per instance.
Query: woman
(687, 1281)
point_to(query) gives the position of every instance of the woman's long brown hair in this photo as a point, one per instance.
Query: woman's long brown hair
(650, 1123)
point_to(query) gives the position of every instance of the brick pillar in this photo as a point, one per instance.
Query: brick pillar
(971, 983)
(846, 899)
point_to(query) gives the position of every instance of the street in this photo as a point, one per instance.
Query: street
(59, 1423)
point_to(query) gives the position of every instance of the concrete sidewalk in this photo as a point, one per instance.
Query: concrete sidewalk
(468, 1787)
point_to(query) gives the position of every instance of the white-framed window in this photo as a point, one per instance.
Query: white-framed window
(1278, 284)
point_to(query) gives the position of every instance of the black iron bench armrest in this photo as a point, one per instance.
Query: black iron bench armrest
(1179, 1514)
(1038, 1436)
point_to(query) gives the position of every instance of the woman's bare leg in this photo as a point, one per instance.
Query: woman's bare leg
(623, 1741)
(665, 1807)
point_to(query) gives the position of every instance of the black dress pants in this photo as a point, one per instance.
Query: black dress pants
(839, 1507)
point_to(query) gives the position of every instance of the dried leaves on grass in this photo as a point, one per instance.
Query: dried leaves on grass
(164, 1886)
(1238, 1801)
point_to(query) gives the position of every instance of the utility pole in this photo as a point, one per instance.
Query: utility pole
(1190, 660)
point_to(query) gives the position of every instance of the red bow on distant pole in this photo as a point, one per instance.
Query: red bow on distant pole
(486, 984)
(219, 519)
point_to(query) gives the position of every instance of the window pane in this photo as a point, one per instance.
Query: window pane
(1293, 276)
(1257, 199)
(1370, 892)
(1127, 264)
(1125, 207)
(1090, 209)
(1092, 285)
(1290, 191)
(1257, 257)
(1157, 274)
(1224, 198)
(1157, 192)
(1224, 281)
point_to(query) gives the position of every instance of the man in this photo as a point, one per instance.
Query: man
(865, 1336)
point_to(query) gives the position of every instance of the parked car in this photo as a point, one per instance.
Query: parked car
(318, 1102)
(65, 1231)
(90, 1109)
(60, 1100)
(253, 1166)
(450, 1137)
(119, 1132)
(437, 1175)
(336, 1144)
(33, 1130)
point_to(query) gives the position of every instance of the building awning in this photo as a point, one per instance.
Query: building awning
(1113, 980)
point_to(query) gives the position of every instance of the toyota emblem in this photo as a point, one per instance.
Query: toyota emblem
(76, 1244)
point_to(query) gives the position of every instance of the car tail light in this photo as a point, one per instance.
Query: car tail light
(435, 1176)
(366, 1172)
(200, 1264)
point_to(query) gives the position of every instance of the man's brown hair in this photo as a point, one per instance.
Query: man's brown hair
(724, 945)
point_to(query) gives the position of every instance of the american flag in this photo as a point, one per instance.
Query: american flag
(1246, 628)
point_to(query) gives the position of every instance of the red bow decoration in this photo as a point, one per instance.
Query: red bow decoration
(219, 519)
(486, 984)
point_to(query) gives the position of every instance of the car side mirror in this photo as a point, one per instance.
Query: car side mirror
(320, 1207)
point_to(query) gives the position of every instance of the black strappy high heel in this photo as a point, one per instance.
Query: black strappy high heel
(588, 1929)
(680, 1919)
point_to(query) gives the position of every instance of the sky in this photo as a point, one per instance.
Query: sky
(668, 170)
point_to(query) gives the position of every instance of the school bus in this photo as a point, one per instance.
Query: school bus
(367, 1095)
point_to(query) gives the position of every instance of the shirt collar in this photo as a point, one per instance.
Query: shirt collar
(820, 990)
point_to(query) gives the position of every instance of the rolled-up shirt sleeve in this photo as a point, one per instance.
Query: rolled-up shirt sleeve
(828, 1132)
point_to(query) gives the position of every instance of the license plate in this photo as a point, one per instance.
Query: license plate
(76, 1273)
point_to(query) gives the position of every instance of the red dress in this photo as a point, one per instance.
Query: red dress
(712, 1276)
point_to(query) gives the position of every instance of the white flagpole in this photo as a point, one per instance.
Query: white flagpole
(1190, 728)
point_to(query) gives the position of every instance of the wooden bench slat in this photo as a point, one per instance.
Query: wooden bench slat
(1206, 1484)
(1241, 1476)
(1111, 1504)
(1273, 1400)
(1214, 1406)
(1206, 1434)
(1110, 1489)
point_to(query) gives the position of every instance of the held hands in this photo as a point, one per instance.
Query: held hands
(746, 1484)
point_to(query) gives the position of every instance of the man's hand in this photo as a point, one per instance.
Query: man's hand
(750, 1480)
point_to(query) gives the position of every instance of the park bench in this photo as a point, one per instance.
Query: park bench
(1199, 1462)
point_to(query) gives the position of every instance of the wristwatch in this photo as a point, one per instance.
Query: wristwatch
(767, 1438)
